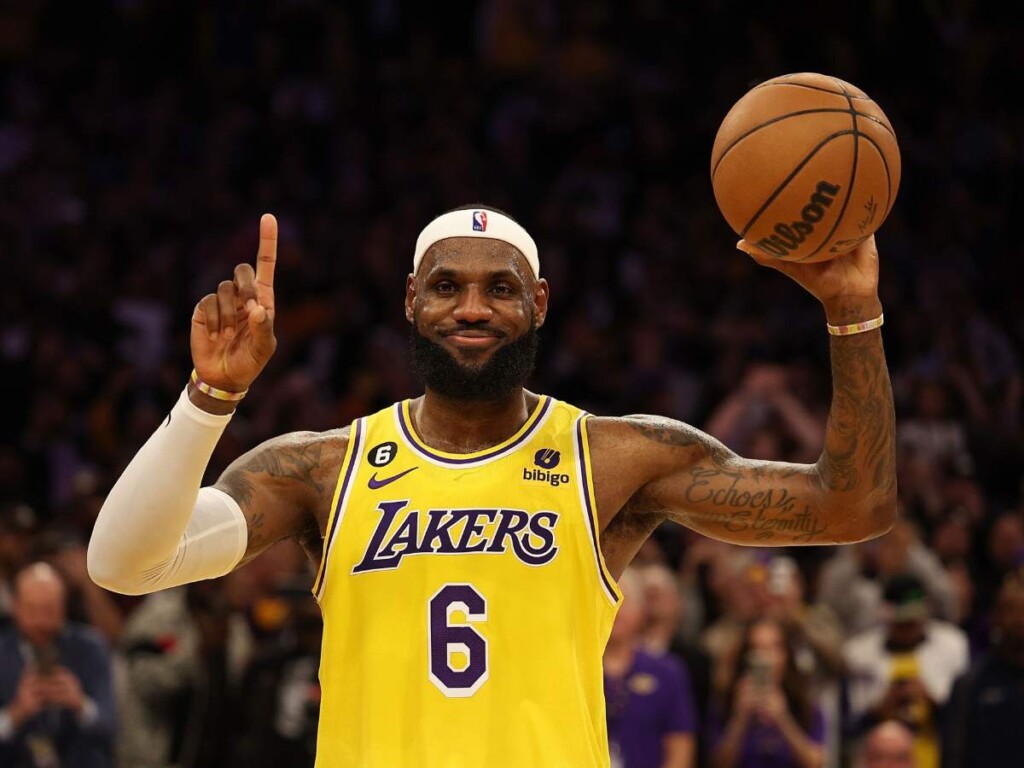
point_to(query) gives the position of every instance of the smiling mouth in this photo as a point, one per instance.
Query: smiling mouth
(472, 338)
(472, 341)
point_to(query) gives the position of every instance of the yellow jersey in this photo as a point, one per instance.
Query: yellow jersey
(465, 601)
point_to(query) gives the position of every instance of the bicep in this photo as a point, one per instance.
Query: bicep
(692, 478)
(280, 486)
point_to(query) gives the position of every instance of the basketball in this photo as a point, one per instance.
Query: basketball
(805, 167)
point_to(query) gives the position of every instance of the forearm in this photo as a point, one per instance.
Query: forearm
(857, 469)
(808, 754)
(142, 534)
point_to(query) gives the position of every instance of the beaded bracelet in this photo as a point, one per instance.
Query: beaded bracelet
(216, 394)
(849, 330)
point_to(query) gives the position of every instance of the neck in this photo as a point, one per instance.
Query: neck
(461, 426)
(660, 634)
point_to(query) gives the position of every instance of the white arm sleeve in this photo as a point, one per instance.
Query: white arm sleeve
(157, 527)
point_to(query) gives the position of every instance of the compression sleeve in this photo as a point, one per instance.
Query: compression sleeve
(157, 528)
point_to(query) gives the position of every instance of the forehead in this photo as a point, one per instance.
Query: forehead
(474, 255)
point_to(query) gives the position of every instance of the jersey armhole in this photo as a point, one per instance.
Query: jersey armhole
(588, 502)
(346, 475)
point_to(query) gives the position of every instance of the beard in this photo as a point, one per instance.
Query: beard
(508, 369)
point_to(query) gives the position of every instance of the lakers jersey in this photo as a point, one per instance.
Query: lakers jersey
(466, 605)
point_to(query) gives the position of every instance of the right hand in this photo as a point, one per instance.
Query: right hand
(28, 699)
(747, 696)
(233, 329)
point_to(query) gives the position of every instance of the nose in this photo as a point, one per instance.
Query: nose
(473, 306)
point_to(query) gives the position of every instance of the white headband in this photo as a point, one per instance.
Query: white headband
(477, 223)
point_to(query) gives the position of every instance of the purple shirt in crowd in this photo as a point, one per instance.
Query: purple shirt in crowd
(650, 701)
(764, 746)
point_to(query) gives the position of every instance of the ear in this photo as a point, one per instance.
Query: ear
(410, 297)
(541, 294)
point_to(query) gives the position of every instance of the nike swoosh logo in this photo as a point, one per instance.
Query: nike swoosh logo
(374, 483)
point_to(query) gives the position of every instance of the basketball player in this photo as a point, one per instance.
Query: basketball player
(468, 541)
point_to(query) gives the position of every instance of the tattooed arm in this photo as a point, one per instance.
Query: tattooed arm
(284, 487)
(666, 469)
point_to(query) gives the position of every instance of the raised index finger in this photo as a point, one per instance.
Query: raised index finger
(266, 260)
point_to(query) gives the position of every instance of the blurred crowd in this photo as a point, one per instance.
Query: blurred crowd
(140, 140)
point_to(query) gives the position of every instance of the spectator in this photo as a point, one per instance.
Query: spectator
(851, 581)
(904, 669)
(186, 651)
(56, 690)
(764, 404)
(816, 640)
(768, 719)
(932, 430)
(889, 744)
(662, 636)
(650, 710)
(280, 698)
(1004, 555)
(986, 709)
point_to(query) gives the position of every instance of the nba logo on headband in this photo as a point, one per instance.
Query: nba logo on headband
(490, 225)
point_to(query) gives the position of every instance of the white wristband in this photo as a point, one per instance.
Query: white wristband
(157, 528)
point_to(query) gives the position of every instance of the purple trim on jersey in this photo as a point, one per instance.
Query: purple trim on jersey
(417, 445)
(357, 447)
(589, 509)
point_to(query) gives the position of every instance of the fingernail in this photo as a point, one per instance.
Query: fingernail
(214, 335)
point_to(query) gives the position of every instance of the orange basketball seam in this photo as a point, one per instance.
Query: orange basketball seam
(785, 182)
(841, 86)
(879, 121)
(849, 188)
(865, 97)
(889, 199)
(756, 128)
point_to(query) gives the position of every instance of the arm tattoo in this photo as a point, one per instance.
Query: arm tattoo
(256, 533)
(296, 457)
(736, 497)
(669, 432)
(238, 485)
(291, 457)
(860, 441)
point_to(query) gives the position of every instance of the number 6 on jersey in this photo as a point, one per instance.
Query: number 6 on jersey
(447, 639)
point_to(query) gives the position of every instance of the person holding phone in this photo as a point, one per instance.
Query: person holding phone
(767, 720)
(56, 689)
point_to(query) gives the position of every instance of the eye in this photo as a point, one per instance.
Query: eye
(445, 287)
(503, 289)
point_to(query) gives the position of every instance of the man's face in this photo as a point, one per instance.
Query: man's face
(906, 634)
(39, 610)
(889, 748)
(475, 307)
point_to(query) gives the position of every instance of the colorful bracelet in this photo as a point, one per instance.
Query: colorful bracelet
(849, 330)
(216, 394)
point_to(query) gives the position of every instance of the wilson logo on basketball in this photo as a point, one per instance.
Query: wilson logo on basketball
(788, 236)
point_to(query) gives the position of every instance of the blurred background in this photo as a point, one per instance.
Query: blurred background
(140, 140)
